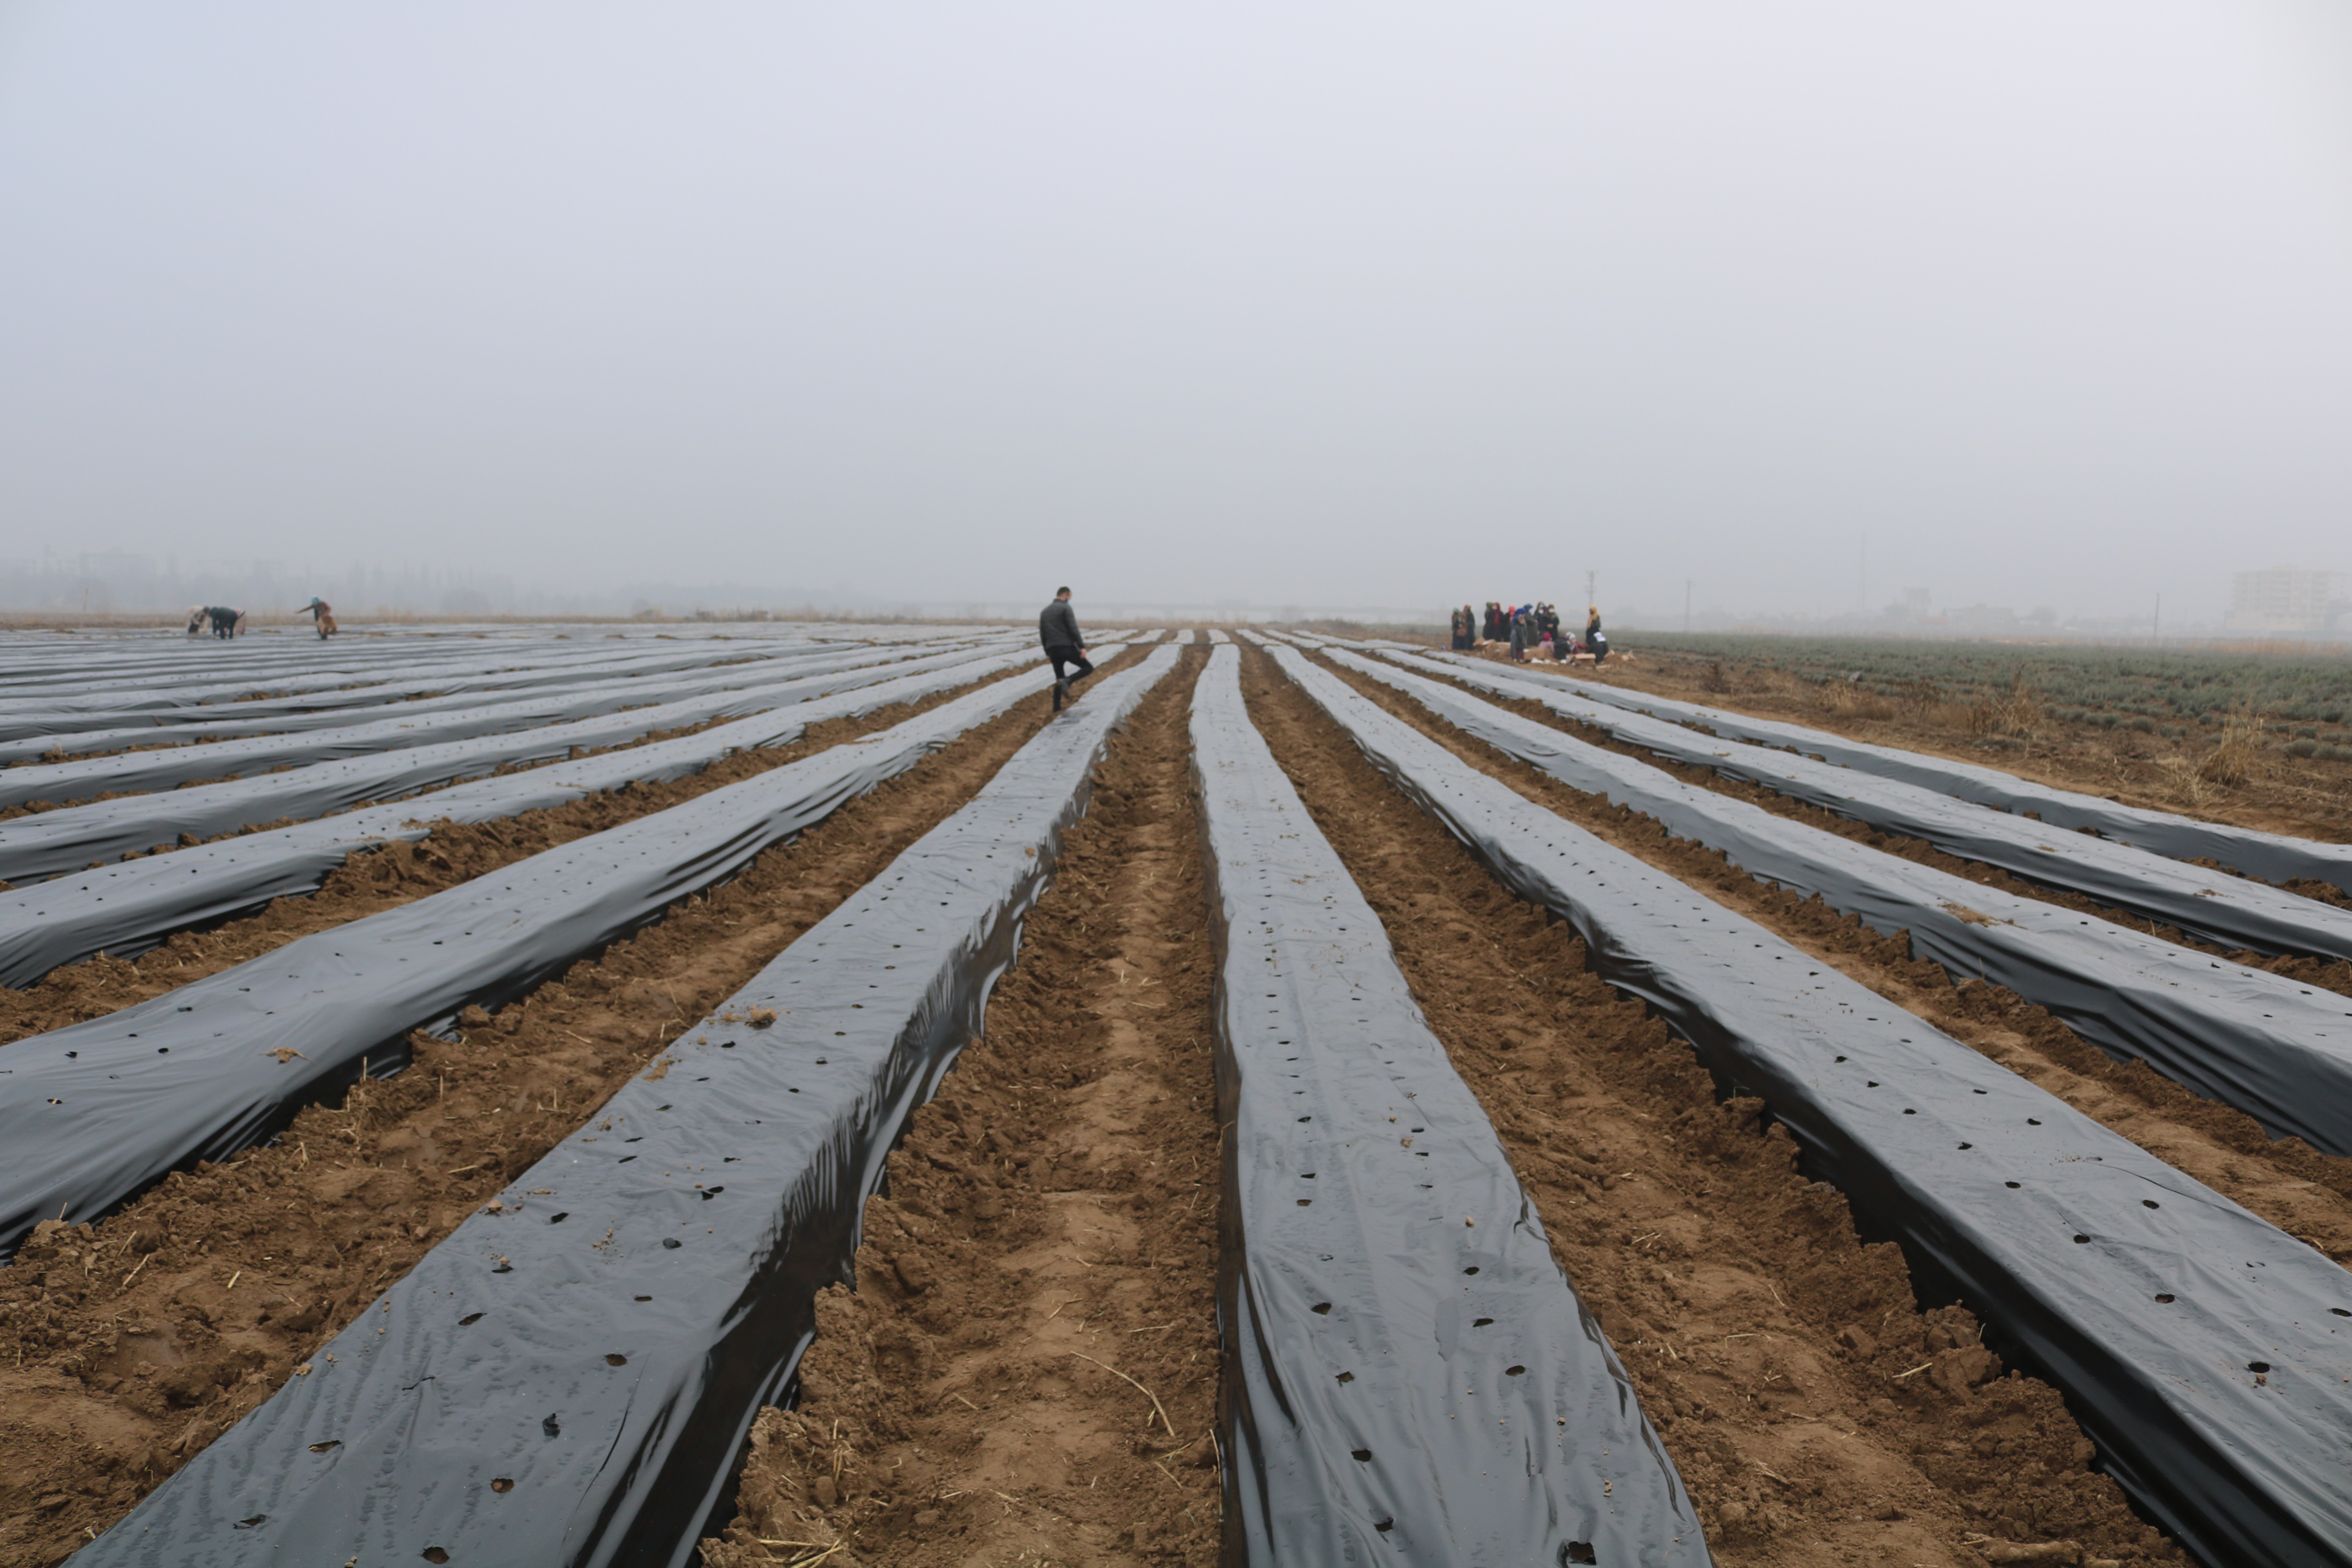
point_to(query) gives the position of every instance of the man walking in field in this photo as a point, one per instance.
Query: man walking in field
(1057, 628)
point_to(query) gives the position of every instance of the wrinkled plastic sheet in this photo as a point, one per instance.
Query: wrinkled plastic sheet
(100, 663)
(337, 736)
(2151, 1301)
(2278, 1050)
(311, 676)
(227, 672)
(450, 720)
(130, 906)
(1399, 1385)
(2274, 857)
(2211, 906)
(20, 718)
(424, 718)
(90, 1114)
(602, 1344)
(53, 842)
(66, 707)
(176, 659)
(78, 660)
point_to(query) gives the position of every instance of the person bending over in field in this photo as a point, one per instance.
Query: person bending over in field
(323, 613)
(227, 622)
(1057, 628)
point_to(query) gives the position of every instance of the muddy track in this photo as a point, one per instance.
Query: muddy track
(1768, 1342)
(372, 882)
(128, 1345)
(1048, 1232)
(2303, 1192)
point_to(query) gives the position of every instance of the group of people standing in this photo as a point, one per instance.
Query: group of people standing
(1532, 631)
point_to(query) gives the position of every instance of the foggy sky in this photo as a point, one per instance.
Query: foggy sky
(1314, 303)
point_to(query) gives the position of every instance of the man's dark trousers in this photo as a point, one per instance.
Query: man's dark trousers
(1062, 683)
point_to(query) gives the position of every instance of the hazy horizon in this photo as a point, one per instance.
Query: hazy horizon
(1371, 305)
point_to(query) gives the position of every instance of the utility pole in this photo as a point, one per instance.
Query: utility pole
(1591, 595)
(1686, 594)
(1861, 589)
(2156, 626)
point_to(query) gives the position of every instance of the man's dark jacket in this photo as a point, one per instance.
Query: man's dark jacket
(1058, 625)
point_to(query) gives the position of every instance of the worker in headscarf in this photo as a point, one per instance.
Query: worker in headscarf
(323, 617)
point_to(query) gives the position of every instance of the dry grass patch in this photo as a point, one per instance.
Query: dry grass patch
(2238, 756)
(2016, 713)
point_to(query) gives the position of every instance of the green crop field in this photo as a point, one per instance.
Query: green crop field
(2302, 698)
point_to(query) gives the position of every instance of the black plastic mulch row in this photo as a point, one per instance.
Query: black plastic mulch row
(346, 703)
(2278, 1050)
(1408, 1373)
(79, 663)
(2274, 857)
(569, 1380)
(209, 672)
(2207, 1352)
(57, 843)
(2211, 906)
(92, 1114)
(128, 907)
(210, 749)
(23, 715)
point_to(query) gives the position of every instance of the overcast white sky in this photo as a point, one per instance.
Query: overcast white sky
(1317, 303)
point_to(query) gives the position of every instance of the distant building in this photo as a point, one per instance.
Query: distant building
(1912, 608)
(1982, 618)
(2290, 601)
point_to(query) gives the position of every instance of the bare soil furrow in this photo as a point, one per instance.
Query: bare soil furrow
(1027, 1369)
(127, 1345)
(1817, 1408)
